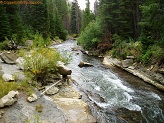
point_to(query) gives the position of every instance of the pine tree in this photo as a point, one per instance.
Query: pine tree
(40, 19)
(4, 24)
(59, 29)
(51, 12)
(152, 22)
(87, 15)
(63, 11)
(75, 18)
(15, 20)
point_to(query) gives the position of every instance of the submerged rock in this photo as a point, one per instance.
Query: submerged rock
(85, 64)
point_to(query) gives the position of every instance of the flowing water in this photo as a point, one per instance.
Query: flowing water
(113, 95)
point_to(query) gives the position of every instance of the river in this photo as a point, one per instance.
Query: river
(113, 95)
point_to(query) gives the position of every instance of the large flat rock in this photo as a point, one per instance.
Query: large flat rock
(23, 111)
(69, 101)
(76, 110)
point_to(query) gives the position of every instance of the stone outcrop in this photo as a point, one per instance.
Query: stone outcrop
(8, 77)
(76, 109)
(69, 101)
(85, 64)
(9, 99)
(8, 57)
(53, 90)
(63, 70)
(127, 62)
(32, 98)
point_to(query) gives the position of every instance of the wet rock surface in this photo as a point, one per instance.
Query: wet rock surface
(85, 64)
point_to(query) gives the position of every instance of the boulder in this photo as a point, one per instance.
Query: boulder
(53, 90)
(126, 63)
(63, 70)
(32, 98)
(20, 62)
(8, 77)
(9, 99)
(85, 64)
(8, 57)
(29, 43)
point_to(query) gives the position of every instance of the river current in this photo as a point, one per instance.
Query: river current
(113, 95)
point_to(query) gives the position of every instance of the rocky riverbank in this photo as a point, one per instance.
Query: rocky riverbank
(154, 77)
(63, 105)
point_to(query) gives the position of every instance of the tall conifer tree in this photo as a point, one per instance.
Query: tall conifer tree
(5, 30)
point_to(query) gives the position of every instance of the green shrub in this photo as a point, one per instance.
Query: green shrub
(40, 63)
(122, 48)
(39, 41)
(4, 44)
(153, 53)
(145, 58)
(91, 35)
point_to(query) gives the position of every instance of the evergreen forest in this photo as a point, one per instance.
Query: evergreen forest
(131, 27)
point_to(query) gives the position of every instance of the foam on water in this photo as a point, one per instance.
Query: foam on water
(128, 97)
(155, 96)
(97, 88)
(119, 84)
(102, 105)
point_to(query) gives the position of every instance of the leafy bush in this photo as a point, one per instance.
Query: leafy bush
(39, 41)
(40, 63)
(91, 35)
(153, 53)
(122, 48)
(4, 44)
(119, 49)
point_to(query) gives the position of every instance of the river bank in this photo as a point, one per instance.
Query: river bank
(65, 106)
(153, 78)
